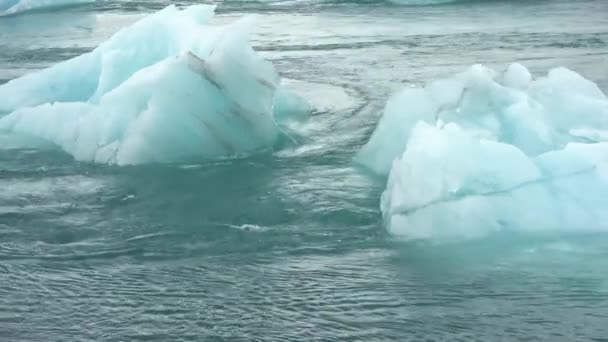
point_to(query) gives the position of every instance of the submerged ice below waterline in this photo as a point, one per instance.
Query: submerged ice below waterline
(170, 88)
(486, 151)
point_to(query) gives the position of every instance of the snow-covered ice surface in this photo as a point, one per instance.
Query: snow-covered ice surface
(487, 151)
(11, 7)
(167, 89)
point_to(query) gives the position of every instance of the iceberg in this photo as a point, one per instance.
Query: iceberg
(170, 88)
(11, 7)
(489, 151)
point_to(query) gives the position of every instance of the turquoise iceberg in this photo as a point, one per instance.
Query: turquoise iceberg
(489, 151)
(168, 89)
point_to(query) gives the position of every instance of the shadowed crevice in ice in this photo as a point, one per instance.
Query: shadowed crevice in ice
(459, 195)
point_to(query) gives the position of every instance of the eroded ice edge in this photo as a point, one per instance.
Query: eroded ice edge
(488, 151)
(12, 7)
(168, 89)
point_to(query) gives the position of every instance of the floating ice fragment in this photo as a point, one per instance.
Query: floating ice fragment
(487, 151)
(167, 89)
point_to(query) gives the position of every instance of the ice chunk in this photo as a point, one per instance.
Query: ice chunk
(289, 106)
(486, 151)
(517, 77)
(536, 116)
(167, 89)
(10, 7)
(392, 133)
(451, 185)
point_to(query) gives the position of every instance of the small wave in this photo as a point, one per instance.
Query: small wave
(248, 227)
(420, 2)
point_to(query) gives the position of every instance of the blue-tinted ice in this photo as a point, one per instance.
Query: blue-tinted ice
(486, 151)
(170, 88)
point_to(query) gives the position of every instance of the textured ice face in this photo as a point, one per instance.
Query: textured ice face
(487, 151)
(536, 116)
(167, 89)
(10, 7)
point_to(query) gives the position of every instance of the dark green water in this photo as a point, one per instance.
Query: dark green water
(290, 246)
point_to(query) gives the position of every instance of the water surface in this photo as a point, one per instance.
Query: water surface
(290, 245)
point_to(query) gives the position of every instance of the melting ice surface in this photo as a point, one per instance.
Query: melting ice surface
(485, 151)
(10, 7)
(167, 89)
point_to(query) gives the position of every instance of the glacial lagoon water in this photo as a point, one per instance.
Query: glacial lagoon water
(290, 244)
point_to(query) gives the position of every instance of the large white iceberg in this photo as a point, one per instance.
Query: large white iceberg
(10, 7)
(486, 151)
(170, 88)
